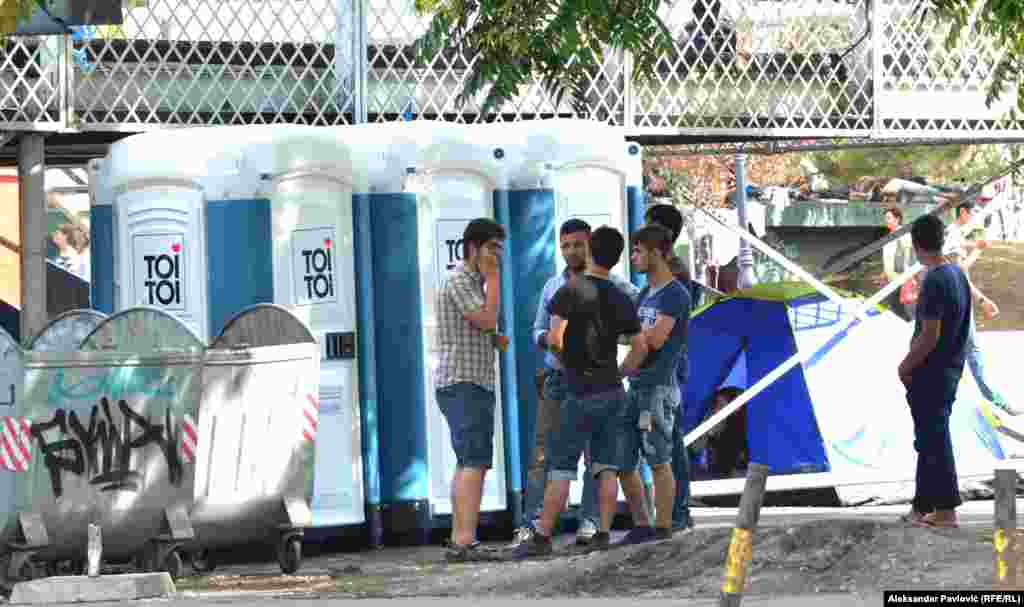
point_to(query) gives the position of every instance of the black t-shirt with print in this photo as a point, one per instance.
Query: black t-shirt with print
(598, 312)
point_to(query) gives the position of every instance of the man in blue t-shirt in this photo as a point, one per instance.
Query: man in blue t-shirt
(931, 371)
(669, 216)
(664, 312)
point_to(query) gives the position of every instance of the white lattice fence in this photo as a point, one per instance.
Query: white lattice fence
(811, 68)
(31, 82)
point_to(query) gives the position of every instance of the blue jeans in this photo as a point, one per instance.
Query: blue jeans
(603, 420)
(469, 411)
(681, 470)
(977, 366)
(551, 392)
(662, 402)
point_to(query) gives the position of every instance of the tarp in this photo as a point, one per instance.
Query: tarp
(844, 410)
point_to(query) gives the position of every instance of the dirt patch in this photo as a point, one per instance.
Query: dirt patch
(826, 556)
(999, 273)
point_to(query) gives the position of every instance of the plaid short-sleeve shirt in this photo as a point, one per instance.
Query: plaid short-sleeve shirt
(465, 353)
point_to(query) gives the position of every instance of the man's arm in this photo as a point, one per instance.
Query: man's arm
(637, 353)
(674, 304)
(482, 314)
(921, 346)
(542, 323)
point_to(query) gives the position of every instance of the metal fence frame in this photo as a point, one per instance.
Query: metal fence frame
(762, 69)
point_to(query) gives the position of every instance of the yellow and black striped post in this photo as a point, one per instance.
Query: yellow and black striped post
(1004, 533)
(741, 547)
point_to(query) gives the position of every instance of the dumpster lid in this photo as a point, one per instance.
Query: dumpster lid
(263, 325)
(144, 330)
(66, 332)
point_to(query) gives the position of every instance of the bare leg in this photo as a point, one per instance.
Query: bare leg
(664, 494)
(555, 495)
(467, 490)
(633, 487)
(607, 496)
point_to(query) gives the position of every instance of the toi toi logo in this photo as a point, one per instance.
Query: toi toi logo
(163, 277)
(455, 250)
(319, 275)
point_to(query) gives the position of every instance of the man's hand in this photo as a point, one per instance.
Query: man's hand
(490, 265)
(904, 374)
(990, 308)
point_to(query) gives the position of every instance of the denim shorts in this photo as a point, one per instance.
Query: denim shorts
(663, 403)
(602, 420)
(469, 411)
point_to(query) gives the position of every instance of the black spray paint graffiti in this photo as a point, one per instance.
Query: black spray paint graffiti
(103, 451)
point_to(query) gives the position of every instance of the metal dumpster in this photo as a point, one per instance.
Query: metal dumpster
(103, 425)
(170, 447)
(256, 426)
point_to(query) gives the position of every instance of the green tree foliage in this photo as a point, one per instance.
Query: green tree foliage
(968, 163)
(563, 41)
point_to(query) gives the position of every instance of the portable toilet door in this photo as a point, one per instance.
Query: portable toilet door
(454, 199)
(597, 195)
(162, 250)
(314, 277)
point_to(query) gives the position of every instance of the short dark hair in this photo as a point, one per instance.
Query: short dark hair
(964, 206)
(655, 237)
(479, 231)
(606, 245)
(928, 233)
(574, 226)
(668, 216)
(897, 213)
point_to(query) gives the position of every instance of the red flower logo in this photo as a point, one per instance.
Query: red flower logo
(176, 247)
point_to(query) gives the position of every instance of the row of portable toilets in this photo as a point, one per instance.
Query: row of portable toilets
(173, 447)
(351, 231)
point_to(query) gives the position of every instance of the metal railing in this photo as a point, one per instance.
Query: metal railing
(757, 68)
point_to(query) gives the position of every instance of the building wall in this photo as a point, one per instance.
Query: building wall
(10, 238)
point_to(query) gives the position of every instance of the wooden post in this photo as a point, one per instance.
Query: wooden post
(1004, 534)
(741, 546)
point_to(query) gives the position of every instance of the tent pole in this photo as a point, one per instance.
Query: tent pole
(745, 258)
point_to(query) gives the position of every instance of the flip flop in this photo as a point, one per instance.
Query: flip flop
(914, 518)
(931, 521)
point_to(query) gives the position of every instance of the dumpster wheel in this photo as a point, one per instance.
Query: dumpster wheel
(172, 564)
(289, 553)
(203, 561)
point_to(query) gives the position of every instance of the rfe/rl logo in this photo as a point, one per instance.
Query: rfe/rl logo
(454, 252)
(319, 274)
(163, 277)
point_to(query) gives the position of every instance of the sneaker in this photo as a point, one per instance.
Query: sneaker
(469, 553)
(585, 534)
(538, 545)
(662, 533)
(682, 526)
(638, 535)
(602, 540)
(523, 534)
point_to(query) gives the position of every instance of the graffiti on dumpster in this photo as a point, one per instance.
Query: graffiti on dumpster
(102, 451)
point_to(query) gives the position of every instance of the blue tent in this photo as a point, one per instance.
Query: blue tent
(843, 411)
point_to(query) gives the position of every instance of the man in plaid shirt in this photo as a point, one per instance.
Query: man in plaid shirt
(467, 309)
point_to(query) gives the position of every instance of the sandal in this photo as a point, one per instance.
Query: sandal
(930, 520)
(914, 518)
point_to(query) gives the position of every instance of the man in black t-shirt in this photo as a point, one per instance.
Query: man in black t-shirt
(588, 314)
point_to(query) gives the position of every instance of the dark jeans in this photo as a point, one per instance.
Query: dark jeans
(931, 397)
(681, 470)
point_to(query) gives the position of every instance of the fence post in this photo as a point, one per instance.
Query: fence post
(741, 546)
(1004, 534)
